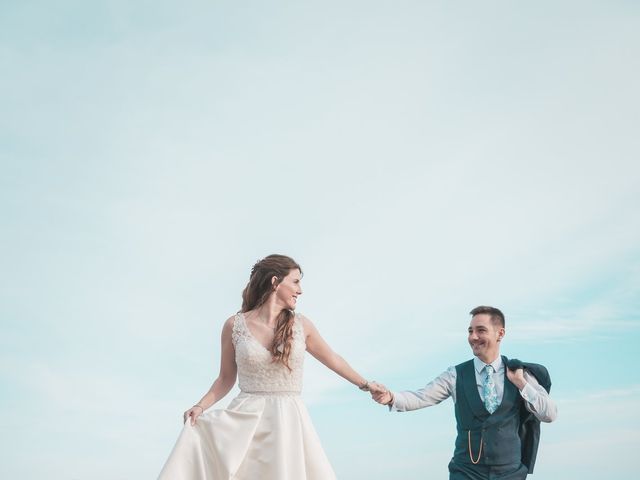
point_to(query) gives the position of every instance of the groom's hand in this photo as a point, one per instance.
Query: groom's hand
(375, 387)
(381, 394)
(517, 378)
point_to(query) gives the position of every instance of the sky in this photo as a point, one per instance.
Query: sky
(416, 158)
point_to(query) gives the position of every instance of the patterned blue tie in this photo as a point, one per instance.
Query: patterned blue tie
(489, 391)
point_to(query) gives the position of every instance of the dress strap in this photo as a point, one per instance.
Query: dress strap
(298, 329)
(239, 329)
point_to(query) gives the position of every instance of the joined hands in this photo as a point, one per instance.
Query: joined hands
(380, 393)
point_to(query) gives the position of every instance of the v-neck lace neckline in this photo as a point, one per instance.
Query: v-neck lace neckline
(250, 333)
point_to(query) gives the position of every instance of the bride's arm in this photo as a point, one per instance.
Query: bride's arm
(226, 378)
(321, 350)
(228, 369)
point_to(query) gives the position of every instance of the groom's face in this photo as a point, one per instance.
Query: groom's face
(484, 337)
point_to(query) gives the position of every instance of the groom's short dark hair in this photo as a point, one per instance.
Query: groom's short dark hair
(497, 318)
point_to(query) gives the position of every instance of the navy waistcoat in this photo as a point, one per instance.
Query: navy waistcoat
(496, 433)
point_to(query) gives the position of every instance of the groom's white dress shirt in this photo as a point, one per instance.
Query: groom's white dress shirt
(536, 398)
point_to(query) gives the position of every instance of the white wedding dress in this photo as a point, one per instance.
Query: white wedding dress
(264, 434)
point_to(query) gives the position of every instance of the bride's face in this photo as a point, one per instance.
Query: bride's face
(289, 289)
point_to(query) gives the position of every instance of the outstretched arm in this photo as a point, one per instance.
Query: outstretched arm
(433, 393)
(226, 378)
(321, 350)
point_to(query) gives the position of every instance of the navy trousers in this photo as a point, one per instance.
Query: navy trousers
(468, 471)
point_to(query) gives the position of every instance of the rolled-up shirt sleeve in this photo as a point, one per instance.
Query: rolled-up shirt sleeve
(537, 400)
(441, 388)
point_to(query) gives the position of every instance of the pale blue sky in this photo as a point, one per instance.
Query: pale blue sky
(417, 158)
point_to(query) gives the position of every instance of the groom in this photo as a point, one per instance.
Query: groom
(498, 410)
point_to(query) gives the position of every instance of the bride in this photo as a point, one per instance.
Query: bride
(266, 432)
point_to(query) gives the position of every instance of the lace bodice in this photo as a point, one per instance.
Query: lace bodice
(257, 373)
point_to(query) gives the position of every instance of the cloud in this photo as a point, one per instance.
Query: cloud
(591, 426)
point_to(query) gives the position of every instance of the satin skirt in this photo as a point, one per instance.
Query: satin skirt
(258, 437)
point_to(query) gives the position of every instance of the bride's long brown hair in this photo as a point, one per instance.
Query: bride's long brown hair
(260, 288)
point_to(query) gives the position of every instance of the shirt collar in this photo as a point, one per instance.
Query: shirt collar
(479, 364)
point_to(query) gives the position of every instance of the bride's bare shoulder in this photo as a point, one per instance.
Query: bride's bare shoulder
(307, 324)
(228, 323)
